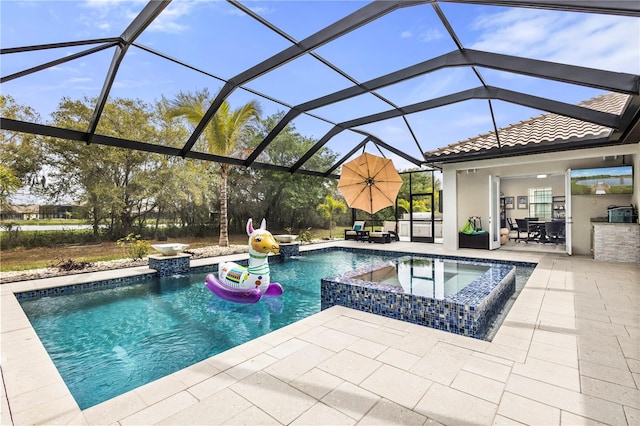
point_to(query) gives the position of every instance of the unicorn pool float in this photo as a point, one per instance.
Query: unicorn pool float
(241, 284)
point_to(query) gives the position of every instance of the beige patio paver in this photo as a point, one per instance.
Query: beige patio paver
(527, 411)
(316, 383)
(479, 386)
(387, 413)
(352, 400)
(567, 353)
(321, 414)
(397, 385)
(439, 400)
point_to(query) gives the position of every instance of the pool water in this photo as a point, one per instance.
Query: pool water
(107, 342)
(428, 277)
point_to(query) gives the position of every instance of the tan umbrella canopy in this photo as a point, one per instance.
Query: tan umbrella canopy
(369, 183)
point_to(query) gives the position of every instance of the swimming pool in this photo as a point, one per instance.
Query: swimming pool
(109, 341)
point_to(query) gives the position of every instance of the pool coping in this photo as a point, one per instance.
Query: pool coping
(29, 374)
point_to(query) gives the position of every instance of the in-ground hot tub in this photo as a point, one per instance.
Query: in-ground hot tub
(453, 295)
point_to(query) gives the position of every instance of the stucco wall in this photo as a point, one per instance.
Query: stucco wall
(475, 190)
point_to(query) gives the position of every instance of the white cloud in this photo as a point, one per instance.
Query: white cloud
(260, 10)
(423, 36)
(430, 35)
(127, 84)
(79, 80)
(439, 83)
(595, 41)
(101, 4)
(106, 15)
(168, 20)
(116, 15)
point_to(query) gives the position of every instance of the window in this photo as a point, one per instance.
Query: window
(540, 202)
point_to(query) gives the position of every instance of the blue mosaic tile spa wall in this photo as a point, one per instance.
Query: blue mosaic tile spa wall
(469, 312)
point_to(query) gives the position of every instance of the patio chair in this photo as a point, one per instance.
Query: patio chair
(391, 227)
(386, 234)
(355, 233)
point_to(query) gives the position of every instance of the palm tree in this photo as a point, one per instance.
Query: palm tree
(223, 135)
(329, 207)
(404, 204)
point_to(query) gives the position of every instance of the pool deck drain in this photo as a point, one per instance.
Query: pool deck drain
(566, 352)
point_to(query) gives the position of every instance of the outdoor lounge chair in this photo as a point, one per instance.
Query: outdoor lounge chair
(356, 232)
(386, 235)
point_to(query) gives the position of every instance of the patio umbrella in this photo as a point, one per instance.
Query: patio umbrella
(369, 183)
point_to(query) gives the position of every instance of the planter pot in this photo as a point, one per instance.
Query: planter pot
(285, 238)
(170, 249)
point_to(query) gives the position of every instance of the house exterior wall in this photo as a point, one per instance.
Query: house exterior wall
(470, 190)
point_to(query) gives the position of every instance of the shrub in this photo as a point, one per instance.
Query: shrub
(305, 236)
(135, 247)
(13, 237)
(71, 265)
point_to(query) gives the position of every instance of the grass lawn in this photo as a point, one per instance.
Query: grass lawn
(42, 257)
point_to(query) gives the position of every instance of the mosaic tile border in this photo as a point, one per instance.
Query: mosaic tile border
(436, 256)
(170, 265)
(109, 283)
(469, 312)
(83, 287)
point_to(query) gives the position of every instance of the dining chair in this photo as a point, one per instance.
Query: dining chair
(522, 225)
(554, 231)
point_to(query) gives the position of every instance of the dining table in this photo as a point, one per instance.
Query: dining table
(537, 231)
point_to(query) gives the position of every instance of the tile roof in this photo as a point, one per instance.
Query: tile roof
(31, 208)
(547, 132)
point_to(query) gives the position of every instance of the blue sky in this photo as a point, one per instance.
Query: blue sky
(219, 38)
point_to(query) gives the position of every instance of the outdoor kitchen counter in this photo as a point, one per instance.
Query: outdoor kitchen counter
(616, 242)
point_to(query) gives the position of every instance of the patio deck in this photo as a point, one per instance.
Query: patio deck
(567, 353)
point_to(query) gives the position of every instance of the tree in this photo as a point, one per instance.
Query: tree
(114, 184)
(9, 183)
(404, 205)
(286, 200)
(329, 208)
(223, 136)
(422, 182)
(21, 153)
(183, 186)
